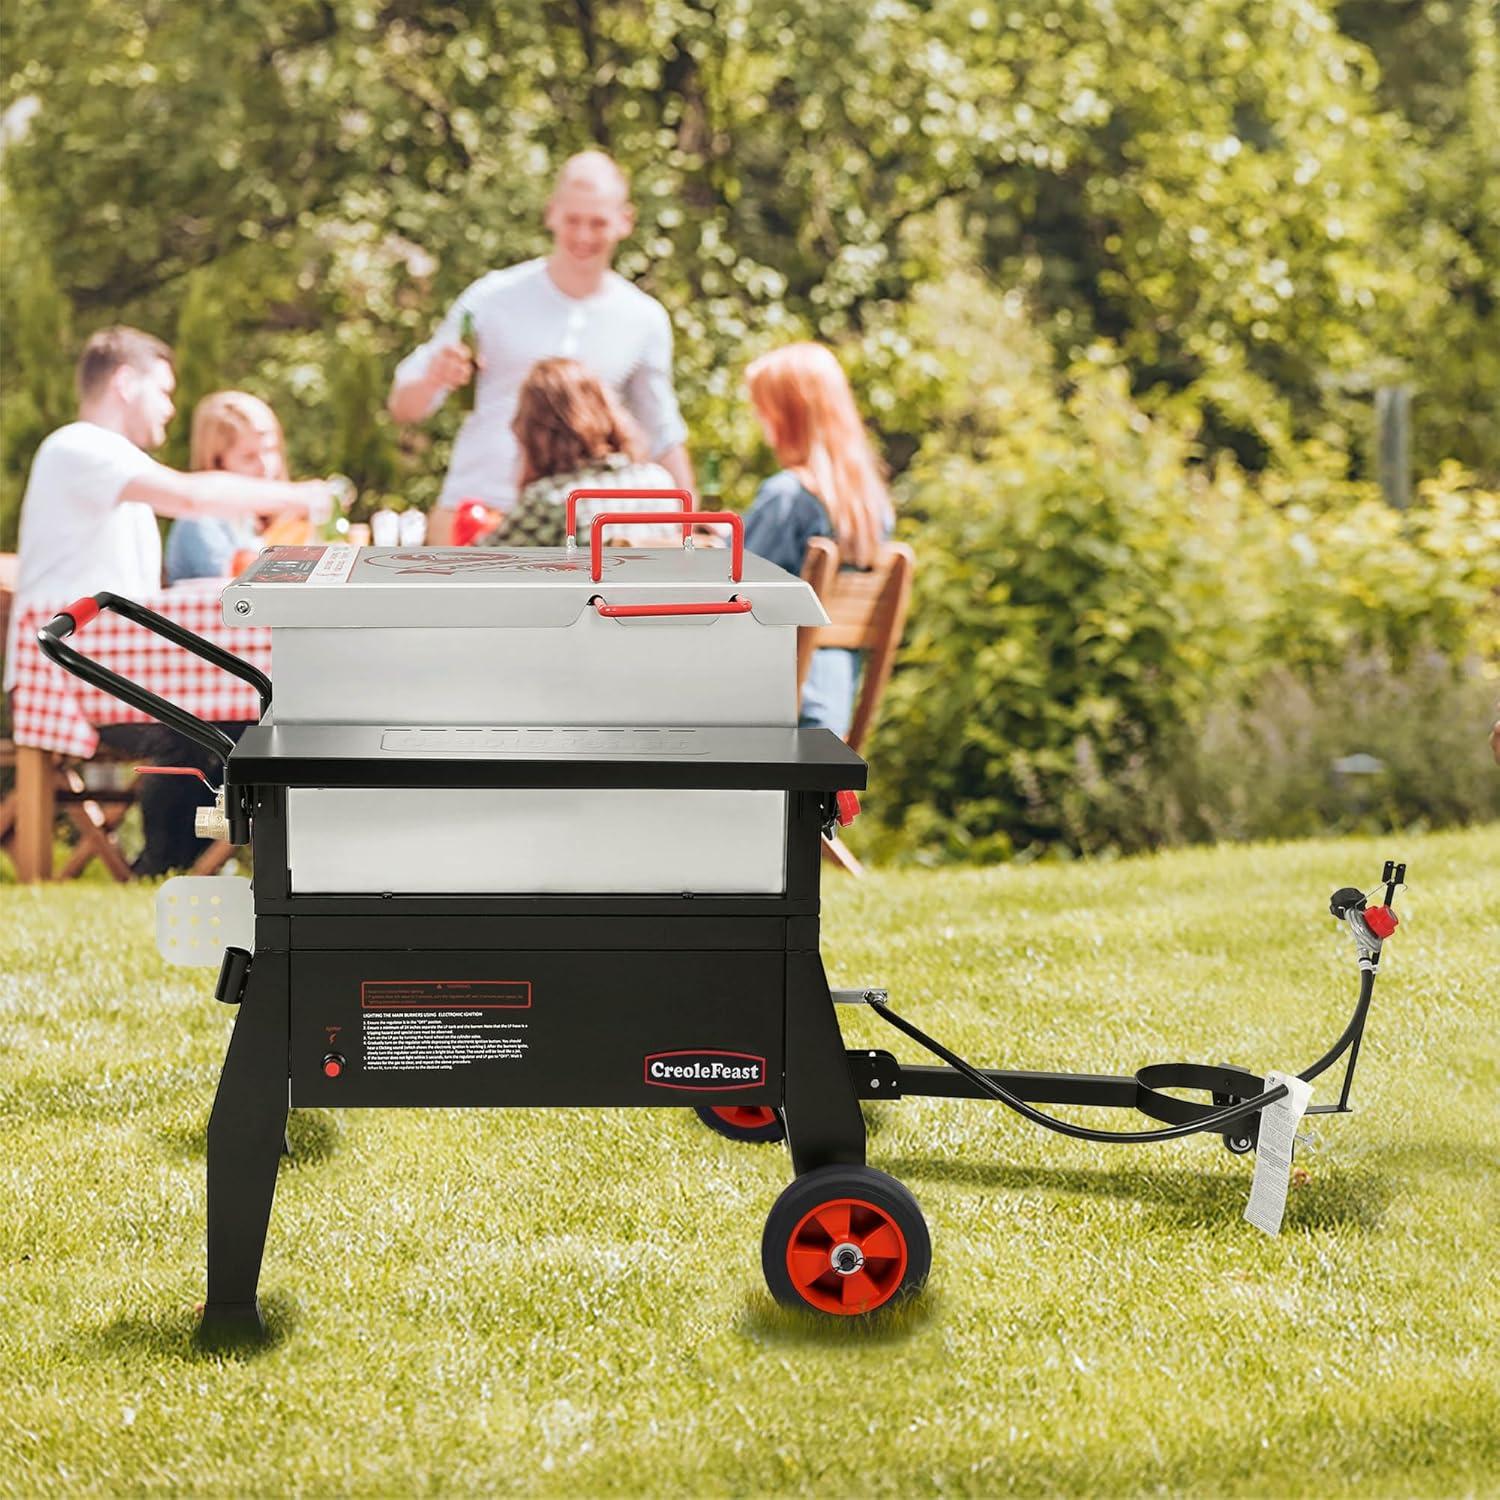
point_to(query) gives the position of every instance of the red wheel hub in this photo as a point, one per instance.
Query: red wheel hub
(846, 1256)
(746, 1116)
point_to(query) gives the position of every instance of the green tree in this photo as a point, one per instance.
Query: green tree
(201, 348)
(35, 348)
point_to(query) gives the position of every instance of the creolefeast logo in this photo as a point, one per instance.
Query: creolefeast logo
(697, 1071)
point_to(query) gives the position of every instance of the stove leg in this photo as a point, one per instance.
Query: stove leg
(824, 1126)
(246, 1132)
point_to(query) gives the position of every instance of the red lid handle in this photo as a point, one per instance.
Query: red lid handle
(684, 500)
(656, 517)
(734, 606)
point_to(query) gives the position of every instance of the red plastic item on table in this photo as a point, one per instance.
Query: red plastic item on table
(470, 522)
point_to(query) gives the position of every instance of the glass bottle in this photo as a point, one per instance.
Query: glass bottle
(468, 391)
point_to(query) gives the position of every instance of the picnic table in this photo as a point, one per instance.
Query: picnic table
(54, 714)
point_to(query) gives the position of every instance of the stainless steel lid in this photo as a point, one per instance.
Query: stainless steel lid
(342, 587)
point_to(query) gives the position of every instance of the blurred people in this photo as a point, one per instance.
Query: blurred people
(569, 304)
(233, 433)
(573, 434)
(830, 484)
(88, 523)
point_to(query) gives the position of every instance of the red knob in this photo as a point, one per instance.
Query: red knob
(848, 807)
(333, 1065)
(1381, 920)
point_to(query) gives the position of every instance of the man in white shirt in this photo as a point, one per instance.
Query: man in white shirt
(568, 304)
(88, 523)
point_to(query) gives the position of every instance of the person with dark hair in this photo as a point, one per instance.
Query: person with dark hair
(88, 523)
(573, 434)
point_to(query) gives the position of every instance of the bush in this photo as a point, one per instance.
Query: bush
(1113, 647)
(1278, 765)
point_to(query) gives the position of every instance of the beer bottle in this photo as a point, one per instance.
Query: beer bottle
(466, 393)
(336, 527)
(710, 496)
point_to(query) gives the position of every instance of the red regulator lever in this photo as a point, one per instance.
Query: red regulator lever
(174, 771)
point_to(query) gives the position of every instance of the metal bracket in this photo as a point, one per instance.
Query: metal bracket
(876, 1075)
(199, 916)
(868, 996)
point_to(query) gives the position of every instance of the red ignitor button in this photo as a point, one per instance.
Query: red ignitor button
(333, 1065)
(1381, 920)
(848, 807)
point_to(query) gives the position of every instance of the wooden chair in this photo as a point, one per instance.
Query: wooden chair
(8, 572)
(819, 565)
(867, 613)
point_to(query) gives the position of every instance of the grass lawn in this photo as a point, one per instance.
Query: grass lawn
(572, 1303)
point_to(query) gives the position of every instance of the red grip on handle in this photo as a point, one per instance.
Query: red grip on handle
(683, 497)
(655, 517)
(82, 611)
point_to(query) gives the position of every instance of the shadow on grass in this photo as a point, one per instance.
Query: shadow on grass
(312, 1135)
(765, 1321)
(173, 1334)
(1332, 1196)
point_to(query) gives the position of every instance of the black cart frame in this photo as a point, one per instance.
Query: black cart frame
(406, 1000)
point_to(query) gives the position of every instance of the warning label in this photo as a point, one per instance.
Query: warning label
(285, 565)
(435, 994)
(334, 566)
(439, 1041)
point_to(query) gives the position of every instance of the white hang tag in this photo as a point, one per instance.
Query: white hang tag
(1273, 1152)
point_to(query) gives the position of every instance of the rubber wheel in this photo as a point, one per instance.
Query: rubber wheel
(1241, 1140)
(845, 1241)
(757, 1123)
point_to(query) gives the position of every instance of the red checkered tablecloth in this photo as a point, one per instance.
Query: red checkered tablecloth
(53, 710)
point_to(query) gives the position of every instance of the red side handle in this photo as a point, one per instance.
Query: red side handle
(82, 611)
(656, 517)
(684, 500)
(735, 606)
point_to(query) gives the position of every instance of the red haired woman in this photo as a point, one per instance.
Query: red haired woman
(573, 434)
(830, 484)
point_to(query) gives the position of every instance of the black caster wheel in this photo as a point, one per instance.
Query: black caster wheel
(845, 1241)
(743, 1122)
(1241, 1140)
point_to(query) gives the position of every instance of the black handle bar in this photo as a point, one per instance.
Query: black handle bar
(82, 611)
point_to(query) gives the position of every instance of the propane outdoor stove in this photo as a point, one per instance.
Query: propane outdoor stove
(536, 827)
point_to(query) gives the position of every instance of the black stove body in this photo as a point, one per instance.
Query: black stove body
(399, 1000)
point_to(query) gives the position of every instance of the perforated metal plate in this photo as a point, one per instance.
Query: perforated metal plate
(199, 916)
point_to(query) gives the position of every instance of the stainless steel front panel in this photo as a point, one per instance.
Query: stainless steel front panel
(730, 670)
(441, 841)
